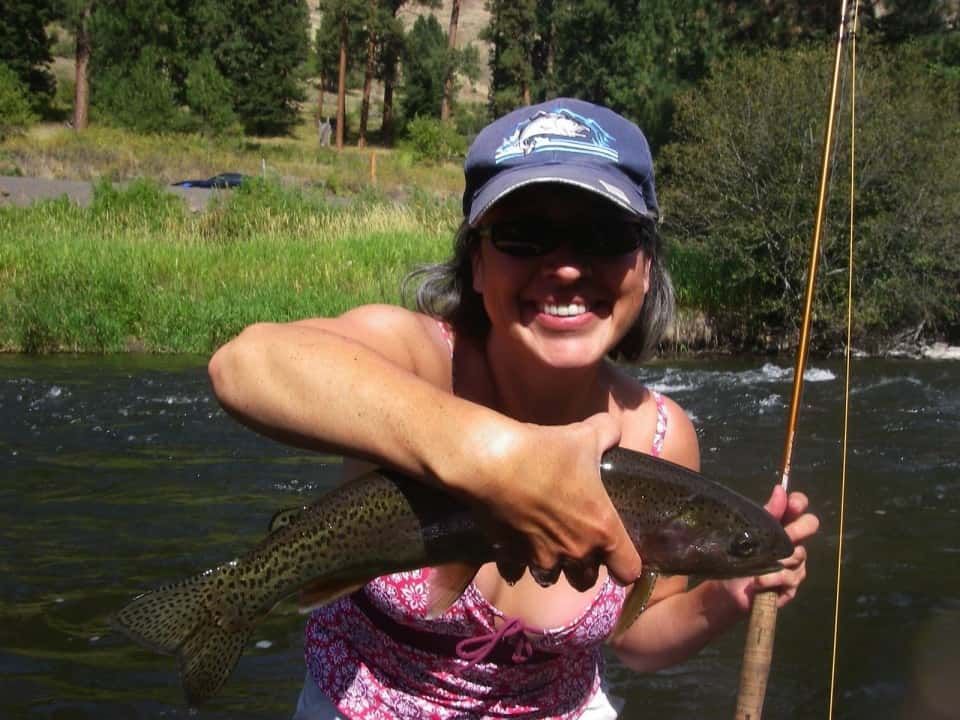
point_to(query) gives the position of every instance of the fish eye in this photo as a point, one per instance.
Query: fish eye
(744, 545)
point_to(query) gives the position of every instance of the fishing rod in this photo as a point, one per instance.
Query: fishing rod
(758, 651)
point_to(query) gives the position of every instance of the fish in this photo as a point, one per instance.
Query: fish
(549, 124)
(385, 522)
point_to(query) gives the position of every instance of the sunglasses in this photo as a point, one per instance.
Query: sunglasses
(534, 237)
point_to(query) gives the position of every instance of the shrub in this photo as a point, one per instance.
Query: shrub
(15, 114)
(434, 141)
(739, 189)
(471, 118)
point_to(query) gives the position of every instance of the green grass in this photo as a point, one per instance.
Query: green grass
(137, 271)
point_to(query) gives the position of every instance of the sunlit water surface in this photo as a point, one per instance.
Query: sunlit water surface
(121, 473)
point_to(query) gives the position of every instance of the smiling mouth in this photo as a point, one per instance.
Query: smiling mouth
(564, 310)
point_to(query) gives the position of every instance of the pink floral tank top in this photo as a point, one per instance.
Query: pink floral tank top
(376, 656)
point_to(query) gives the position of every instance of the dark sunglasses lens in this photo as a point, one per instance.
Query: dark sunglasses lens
(525, 239)
(536, 238)
(609, 239)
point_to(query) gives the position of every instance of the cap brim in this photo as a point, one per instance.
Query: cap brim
(608, 182)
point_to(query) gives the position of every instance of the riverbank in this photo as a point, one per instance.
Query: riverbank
(135, 271)
(693, 333)
(135, 267)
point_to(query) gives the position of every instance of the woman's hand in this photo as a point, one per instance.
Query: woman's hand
(548, 506)
(799, 525)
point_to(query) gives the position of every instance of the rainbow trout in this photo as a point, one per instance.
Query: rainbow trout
(384, 522)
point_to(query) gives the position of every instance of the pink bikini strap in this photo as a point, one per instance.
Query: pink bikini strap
(447, 333)
(661, 433)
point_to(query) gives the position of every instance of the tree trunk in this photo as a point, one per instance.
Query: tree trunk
(342, 84)
(549, 62)
(81, 98)
(451, 47)
(389, 76)
(367, 82)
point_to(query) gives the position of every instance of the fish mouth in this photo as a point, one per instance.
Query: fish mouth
(743, 571)
(766, 569)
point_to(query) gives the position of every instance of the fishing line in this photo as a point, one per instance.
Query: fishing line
(848, 355)
(758, 650)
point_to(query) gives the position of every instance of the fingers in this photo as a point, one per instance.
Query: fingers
(777, 503)
(802, 528)
(798, 558)
(510, 568)
(545, 577)
(560, 514)
(581, 574)
(791, 511)
(622, 560)
(784, 582)
(512, 551)
(797, 504)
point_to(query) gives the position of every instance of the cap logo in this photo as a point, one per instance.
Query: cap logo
(560, 130)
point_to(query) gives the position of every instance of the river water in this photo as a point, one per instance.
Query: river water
(121, 473)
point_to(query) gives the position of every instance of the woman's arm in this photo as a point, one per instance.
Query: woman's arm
(375, 384)
(348, 385)
(678, 623)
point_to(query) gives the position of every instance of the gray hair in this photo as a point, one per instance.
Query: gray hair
(445, 291)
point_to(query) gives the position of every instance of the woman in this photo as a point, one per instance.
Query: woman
(500, 390)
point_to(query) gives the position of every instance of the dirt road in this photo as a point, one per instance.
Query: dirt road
(24, 191)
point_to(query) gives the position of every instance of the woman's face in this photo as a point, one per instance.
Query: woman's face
(566, 307)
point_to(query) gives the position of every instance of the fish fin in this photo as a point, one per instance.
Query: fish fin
(319, 593)
(163, 619)
(207, 659)
(446, 584)
(635, 603)
(285, 517)
(176, 619)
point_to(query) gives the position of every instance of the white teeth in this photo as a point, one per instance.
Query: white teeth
(565, 310)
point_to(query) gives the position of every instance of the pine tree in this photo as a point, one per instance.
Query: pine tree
(346, 16)
(379, 24)
(83, 51)
(512, 31)
(451, 47)
(261, 47)
(75, 15)
(141, 49)
(635, 56)
(25, 47)
(424, 68)
(391, 51)
(327, 56)
(430, 66)
(258, 48)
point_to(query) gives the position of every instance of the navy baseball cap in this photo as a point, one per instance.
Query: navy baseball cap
(566, 141)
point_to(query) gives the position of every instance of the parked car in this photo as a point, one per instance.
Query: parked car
(223, 180)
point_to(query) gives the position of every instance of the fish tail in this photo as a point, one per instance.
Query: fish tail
(176, 620)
